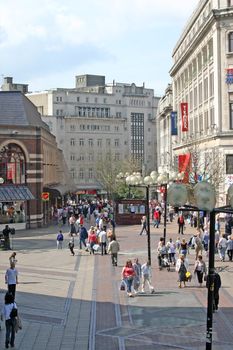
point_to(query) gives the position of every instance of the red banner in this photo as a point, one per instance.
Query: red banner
(184, 163)
(184, 116)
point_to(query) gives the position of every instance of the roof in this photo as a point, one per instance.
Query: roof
(11, 193)
(16, 109)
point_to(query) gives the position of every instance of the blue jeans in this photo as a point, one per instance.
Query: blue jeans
(10, 331)
(129, 282)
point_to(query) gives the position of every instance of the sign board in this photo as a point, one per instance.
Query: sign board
(45, 196)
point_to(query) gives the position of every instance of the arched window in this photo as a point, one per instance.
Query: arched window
(12, 164)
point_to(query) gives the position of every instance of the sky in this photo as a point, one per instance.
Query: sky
(46, 43)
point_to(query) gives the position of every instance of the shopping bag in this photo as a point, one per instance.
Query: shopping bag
(122, 285)
(96, 247)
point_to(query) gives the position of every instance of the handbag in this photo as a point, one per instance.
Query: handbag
(18, 324)
(122, 285)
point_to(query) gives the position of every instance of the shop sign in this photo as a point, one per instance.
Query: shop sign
(45, 196)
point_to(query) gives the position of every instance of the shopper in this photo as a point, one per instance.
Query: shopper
(12, 258)
(6, 235)
(146, 277)
(200, 269)
(143, 225)
(138, 274)
(222, 247)
(103, 240)
(10, 319)
(60, 239)
(127, 275)
(113, 249)
(181, 224)
(182, 268)
(71, 245)
(11, 279)
(217, 286)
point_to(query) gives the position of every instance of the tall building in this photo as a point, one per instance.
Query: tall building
(95, 120)
(202, 82)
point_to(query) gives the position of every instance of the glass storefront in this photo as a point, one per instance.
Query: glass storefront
(12, 212)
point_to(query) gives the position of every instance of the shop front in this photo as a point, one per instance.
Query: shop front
(130, 211)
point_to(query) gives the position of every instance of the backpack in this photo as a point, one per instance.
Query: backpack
(60, 237)
(181, 220)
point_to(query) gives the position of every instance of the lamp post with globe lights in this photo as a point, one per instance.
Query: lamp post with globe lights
(204, 196)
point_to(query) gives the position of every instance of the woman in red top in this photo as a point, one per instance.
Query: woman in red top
(128, 274)
(92, 239)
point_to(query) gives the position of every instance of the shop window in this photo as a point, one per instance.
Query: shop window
(230, 42)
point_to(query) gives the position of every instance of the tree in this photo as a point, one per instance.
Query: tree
(106, 171)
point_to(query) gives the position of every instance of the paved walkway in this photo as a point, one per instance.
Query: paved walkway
(71, 302)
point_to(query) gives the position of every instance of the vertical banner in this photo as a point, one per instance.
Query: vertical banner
(174, 131)
(184, 164)
(184, 116)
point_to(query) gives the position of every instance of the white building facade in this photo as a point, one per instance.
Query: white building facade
(95, 119)
(202, 84)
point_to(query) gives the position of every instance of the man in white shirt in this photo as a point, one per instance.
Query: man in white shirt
(11, 279)
(103, 240)
(146, 277)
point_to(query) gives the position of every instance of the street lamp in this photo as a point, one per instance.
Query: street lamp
(136, 180)
(204, 194)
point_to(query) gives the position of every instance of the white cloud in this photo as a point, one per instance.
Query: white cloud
(111, 36)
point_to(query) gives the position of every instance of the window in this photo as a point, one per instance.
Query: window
(72, 171)
(116, 128)
(81, 142)
(78, 99)
(82, 157)
(72, 157)
(231, 116)
(81, 173)
(72, 142)
(87, 99)
(90, 173)
(90, 142)
(90, 157)
(116, 142)
(96, 99)
(12, 164)
(99, 142)
(211, 84)
(108, 142)
(229, 164)
(230, 42)
(205, 88)
(72, 127)
(105, 100)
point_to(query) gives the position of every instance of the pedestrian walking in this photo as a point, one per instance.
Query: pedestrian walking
(162, 252)
(182, 268)
(10, 319)
(171, 249)
(198, 245)
(12, 258)
(6, 235)
(200, 269)
(217, 286)
(72, 221)
(83, 235)
(222, 247)
(127, 275)
(183, 247)
(143, 225)
(103, 240)
(92, 239)
(138, 273)
(60, 239)
(71, 245)
(230, 247)
(156, 216)
(113, 249)
(11, 279)
(146, 277)
(181, 224)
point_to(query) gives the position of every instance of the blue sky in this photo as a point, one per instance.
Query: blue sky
(46, 43)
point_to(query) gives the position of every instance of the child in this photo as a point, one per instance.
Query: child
(146, 277)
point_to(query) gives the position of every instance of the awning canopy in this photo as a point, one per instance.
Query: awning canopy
(57, 190)
(12, 193)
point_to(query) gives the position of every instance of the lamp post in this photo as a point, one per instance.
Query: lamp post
(204, 195)
(136, 180)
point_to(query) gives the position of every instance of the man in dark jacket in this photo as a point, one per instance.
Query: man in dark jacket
(217, 286)
(6, 234)
(82, 236)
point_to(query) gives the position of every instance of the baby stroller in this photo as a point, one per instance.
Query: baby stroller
(165, 263)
